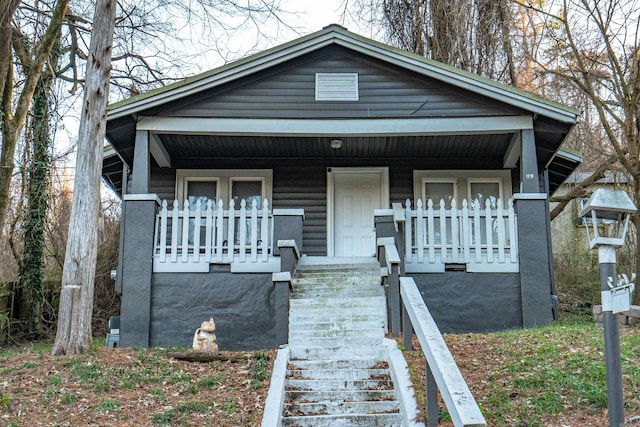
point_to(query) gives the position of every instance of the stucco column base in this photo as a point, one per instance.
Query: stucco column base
(535, 274)
(282, 283)
(137, 269)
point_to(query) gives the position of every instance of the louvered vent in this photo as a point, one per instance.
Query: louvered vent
(336, 86)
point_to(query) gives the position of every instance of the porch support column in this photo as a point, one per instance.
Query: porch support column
(137, 268)
(529, 179)
(140, 177)
(533, 250)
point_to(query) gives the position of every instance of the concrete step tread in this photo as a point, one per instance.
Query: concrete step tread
(337, 333)
(325, 396)
(338, 384)
(341, 408)
(348, 374)
(363, 363)
(356, 420)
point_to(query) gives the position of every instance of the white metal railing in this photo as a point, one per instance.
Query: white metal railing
(482, 238)
(192, 238)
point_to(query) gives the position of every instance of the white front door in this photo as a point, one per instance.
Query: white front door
(356, 194)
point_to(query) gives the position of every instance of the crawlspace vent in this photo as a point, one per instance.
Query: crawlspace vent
(336, 86)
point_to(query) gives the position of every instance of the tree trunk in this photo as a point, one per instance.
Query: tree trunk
(32, 260)
(7, 9)
(76, 296)
(13, 116)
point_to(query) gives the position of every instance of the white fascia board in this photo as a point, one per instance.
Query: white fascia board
(218, 79)
(460, 81)
(329, 127)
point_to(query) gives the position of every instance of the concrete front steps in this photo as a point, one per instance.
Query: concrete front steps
(339, 369)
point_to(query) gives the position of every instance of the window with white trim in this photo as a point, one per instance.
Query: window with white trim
(439, 189)
(224, 184)
(462, 185)
(482, 190)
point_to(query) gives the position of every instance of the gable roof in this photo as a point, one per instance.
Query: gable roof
(335, 34)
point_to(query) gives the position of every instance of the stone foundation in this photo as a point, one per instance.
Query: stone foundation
(626, 318)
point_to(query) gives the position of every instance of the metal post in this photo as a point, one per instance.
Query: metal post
(607, 258)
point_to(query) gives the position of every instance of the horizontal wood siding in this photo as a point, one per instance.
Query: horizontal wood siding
(163, 182)
(306, 188)
(288, 91)
(400, 184)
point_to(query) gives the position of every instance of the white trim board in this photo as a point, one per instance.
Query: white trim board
(327, 127)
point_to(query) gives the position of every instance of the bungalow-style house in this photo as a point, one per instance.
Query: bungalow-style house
(330, 141)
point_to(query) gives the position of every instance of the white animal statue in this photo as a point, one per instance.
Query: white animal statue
(205, 338)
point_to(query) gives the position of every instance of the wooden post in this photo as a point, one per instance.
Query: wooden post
(431, 387)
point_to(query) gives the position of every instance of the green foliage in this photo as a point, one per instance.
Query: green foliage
(230, 406)
(68, 399)
(211, 383)
(260, 364)
(177, 414)
(109, 406)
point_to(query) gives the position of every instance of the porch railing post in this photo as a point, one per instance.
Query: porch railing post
(432, 397)
(407, 328)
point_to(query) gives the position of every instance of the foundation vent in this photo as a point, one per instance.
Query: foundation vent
(336, 86)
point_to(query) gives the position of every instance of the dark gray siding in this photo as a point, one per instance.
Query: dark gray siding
(384, 91)
(400, 184)
(306, 188)
(163, 182)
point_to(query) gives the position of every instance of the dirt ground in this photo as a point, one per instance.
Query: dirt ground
(132, 387)
(138, 387)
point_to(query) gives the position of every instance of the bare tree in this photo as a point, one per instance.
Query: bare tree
(13, 116)
(76, 296)
(471, 35)
(594, 46)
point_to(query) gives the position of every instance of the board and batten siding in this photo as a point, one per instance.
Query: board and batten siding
(288, 91)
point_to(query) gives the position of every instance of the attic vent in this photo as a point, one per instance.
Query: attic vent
(336, 86)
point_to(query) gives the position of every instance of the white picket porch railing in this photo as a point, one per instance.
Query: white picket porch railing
(481, 239)
(192, 238)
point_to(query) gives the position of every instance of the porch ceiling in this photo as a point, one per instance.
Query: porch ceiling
(183, 149)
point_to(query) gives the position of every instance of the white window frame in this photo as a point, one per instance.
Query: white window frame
(260, 179)
(426, 181)
(224, 179)
(462, 178)
(499, 181)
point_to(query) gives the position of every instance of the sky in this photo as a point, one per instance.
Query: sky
(202, 53)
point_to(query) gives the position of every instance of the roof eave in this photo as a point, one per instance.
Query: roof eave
(342, 37)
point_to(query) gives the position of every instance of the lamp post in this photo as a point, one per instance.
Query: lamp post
(607, 214)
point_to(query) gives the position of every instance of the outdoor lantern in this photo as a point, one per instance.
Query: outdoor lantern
(606, 215)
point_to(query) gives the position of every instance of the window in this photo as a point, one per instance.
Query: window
(462, 185)
(224, 184)
(439, 189)
(201, 190)
(249, 190)
(483, 190)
